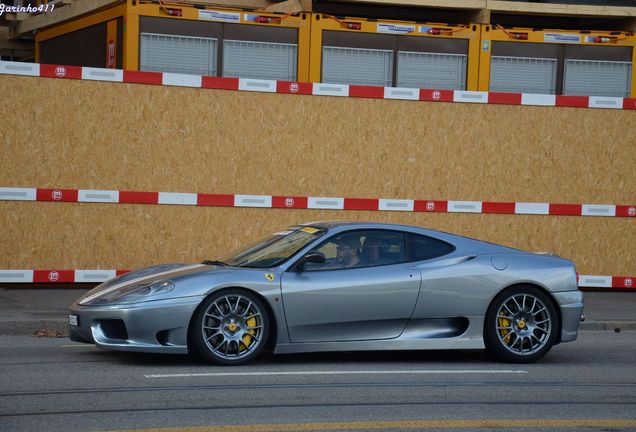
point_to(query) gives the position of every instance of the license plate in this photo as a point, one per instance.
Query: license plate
(73, 320)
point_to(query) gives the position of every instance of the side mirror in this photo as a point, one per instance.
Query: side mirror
(311, 257)
(314, 257)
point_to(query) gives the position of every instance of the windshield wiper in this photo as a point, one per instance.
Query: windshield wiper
(213, 262)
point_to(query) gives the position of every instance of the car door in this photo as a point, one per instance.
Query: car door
(340, 300)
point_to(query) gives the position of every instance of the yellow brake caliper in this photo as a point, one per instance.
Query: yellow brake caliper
(247, 338)
(504, 322)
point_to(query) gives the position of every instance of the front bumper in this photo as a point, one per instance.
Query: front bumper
(571, 306)
(153, 326)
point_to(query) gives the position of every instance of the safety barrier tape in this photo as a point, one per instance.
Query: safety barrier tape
(95, 276)
(58, 276)
(326, 203)
(322, 89)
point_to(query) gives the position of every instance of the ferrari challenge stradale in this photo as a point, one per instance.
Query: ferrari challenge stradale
(340, 286)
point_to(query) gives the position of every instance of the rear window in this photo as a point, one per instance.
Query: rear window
(422, 248)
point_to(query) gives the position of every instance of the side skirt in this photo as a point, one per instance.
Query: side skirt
(382, 345)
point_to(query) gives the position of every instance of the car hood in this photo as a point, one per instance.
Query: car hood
(147, 276)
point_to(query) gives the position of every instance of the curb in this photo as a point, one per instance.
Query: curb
(30, 327)
(608, 325)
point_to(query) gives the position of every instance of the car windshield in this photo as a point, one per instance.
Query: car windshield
(275, 249)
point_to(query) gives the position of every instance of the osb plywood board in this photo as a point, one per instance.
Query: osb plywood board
(93, 135)
(77, 236)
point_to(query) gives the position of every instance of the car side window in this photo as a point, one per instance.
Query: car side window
(422, 247)
(357, 249)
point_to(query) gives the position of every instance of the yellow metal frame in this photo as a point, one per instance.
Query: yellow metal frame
(320, 23)
(131, 38)
(310, 29)
(131, 44)
(490, 34)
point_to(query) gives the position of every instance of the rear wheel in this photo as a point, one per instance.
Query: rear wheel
(521, 325)
(229, 328)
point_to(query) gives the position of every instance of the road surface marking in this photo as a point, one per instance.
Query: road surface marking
(330, 372)
(405, 424)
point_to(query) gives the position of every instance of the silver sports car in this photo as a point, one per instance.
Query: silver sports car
(340, 286)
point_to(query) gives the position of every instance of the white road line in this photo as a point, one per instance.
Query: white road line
(353, 372)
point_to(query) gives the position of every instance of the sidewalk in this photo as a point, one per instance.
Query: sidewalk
(24, 311)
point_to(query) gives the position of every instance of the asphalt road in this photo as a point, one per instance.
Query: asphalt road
(54, 384)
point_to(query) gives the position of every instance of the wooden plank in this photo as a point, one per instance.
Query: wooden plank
(238, 4)
(286, 7)
(560, 9)
(489, 6)
(482, 16)
(263, 5)
(22, 24)
(445, 4)
(17, 16)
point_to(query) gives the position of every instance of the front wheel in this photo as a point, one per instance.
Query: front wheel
(229, 328)
(521, 325)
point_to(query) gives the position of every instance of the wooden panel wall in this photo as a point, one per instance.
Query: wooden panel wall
(92, 135)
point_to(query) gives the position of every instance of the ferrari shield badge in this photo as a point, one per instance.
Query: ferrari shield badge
(269, 276)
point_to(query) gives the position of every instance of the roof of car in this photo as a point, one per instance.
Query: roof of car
(467, 243)
(338, 224)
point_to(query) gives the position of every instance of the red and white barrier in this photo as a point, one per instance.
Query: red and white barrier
(96, 276)
(58, 276)
(320, 89)
(295, 202)
(300, 202)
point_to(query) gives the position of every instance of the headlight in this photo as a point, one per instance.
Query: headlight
(133, 293)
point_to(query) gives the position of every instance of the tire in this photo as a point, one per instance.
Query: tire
(229, 328)
(521, 325)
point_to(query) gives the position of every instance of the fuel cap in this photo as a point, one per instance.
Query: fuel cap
(499, 263)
